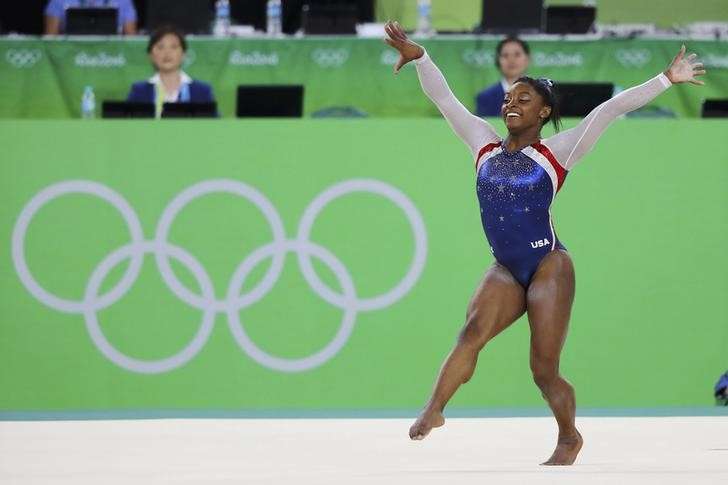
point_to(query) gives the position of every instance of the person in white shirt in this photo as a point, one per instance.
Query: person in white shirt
(170, 84)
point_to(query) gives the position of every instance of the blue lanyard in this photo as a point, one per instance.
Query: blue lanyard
(184, 93)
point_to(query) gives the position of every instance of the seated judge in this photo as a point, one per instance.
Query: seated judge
(55, 14)
(166, 49)
(511, 58)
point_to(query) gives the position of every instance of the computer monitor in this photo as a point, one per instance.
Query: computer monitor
(578, 99)
(335, 19)
(283, 101)
(191, 16)
(570, 19)
(189, 110)
(293, 11)
(715, 108)
(250, 12)
(92, 21)
(512, 16)
(123, 109)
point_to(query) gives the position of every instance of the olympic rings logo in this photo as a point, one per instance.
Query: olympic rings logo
(20, 58)
(389, 57)
(330, 57)
(234, 300)
(189, 58)
(478, 57)
(633, 57)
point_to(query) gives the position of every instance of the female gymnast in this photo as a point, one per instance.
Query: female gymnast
(517, 179)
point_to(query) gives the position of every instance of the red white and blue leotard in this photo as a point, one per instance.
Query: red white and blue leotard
(515, 189)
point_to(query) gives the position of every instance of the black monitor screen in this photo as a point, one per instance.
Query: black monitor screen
(578, 99)
(91, 21)
(292, 11)
(189, 110)
(191, 16)
(512, 16)
(122, 109)
(270, 101)
(569, 19)
(249, 12)
(715, 108)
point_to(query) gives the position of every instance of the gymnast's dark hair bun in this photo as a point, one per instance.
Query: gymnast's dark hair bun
(545, 88)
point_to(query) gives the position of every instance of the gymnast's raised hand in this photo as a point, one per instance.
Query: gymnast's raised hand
(408, 50)
(684, 69)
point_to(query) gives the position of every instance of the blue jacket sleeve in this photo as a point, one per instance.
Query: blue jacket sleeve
(201, 92)
(481, 104)
(138, 93)
(211, 99)
(489, 101)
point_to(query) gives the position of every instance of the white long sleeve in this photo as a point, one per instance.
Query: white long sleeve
(571, 145)
(474, 131)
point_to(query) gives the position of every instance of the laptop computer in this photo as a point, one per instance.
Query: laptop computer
(92, 21)
(123, 109)
(569, 19)
(281, 101)
(512, 16)
(192, 16)
(335, 19)
(578, 99)
(189, 110)
(715, 108)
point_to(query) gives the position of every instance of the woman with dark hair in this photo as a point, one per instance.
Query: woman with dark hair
(512, 56)
(516, 181)
(166, 48)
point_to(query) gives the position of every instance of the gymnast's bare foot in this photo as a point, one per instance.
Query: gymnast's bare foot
(567, 448)
(425, 422)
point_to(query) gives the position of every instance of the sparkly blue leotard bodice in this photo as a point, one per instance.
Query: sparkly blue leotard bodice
(515, 191)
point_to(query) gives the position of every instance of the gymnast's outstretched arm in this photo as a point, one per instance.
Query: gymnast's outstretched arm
(474, 131)
(571, 145)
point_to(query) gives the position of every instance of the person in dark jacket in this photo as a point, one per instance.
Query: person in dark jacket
(166, 49)
(721, 390)
(512, 56)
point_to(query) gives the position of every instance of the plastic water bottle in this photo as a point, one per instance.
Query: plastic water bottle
(221, 27)
(273, 17)
(88, 103)
(424, 17)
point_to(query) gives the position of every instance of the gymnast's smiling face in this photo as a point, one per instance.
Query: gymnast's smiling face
(523, 108)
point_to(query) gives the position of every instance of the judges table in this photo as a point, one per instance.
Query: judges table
(45, 78)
